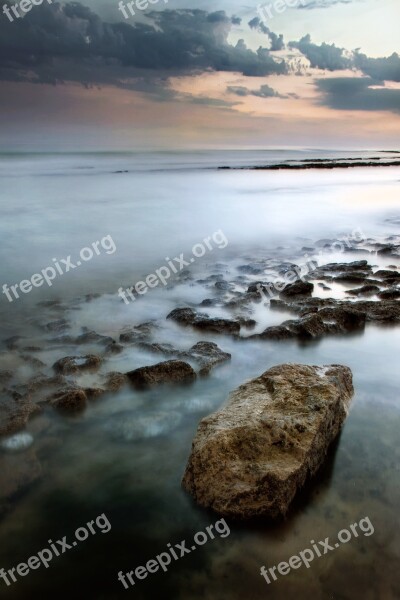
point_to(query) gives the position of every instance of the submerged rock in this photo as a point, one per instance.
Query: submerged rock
(115, 381)
(207, 354)
(317, 323)
(74, 364)
(15, 413)
(170, 371)
(187, 316)
(70, 401)
(251, 457)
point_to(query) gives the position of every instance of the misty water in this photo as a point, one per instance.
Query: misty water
(126, 454)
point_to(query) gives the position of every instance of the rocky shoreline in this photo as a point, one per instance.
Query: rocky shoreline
(235, 298)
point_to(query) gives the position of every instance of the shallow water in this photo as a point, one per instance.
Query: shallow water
(126, 454)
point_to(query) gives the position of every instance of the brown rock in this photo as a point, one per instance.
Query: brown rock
(70, 401)
(251, 457)
(15, 413)
(74, 364)
(170, 371)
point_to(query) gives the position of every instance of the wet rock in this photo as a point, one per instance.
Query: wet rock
(171, 371)
(390, 294)
(93, 393)
(222, 286)
(299, 288)
(114, 348)
(365, 290)
(183, 316)
(139, 333)
(92, 337)
(311, 326)
(389, 250)
(75, 364)
(15, 412)
(245, 322)
(317, 323)
(217, 325)
(209, 302)
(386, 274)
(57, 326)
(32, 361)
(358, 265)
(343, 319)
(251, 457)
(207, 354)
(40, 382)
(166, 349)
(188, 317)
(356, 277)
(115, 381)
(277, 332)
(70, 401)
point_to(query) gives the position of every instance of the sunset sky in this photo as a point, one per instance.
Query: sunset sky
(79, 76)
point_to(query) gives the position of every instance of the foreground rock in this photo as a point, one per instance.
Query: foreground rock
(170, 371)
(251, 457)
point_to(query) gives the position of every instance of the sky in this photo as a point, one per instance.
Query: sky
(200, 74)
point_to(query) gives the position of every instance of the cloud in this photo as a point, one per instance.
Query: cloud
(332, 58)
(265, 91)
(325, 56)
(358, 93)
(323, 3)
(383, 69)
(72, 43)
(276, 41)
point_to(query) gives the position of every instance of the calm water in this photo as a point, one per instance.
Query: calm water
(126, 455)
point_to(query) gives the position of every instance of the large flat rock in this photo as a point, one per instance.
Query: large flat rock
(251, 457)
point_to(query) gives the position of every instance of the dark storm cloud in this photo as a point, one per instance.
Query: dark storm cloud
(276, 41)
(384, 69)
(353, 93)
(332, 58)
(265, 91)
(325, 56)
(70, 42)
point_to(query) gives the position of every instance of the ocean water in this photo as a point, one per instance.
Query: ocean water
(126, 454)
